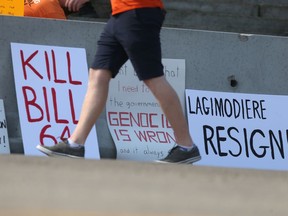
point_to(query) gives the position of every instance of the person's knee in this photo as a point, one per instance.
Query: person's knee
(99, 76)
(154, 83)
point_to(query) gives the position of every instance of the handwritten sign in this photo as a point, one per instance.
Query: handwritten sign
(139, 128)
(12, 7)
(4, 141)
(239, 130)
(50, 85)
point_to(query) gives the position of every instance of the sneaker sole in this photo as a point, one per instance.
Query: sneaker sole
(187, 161)
(54, 154)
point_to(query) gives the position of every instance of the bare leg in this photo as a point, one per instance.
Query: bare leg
(94, 102)
(171, 107)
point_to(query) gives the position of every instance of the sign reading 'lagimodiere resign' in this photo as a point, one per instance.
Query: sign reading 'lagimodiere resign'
(239, 130)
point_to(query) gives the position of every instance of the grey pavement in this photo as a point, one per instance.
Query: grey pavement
(54, 186)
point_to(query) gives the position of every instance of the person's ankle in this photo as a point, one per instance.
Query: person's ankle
(186, 148)
(73, 144)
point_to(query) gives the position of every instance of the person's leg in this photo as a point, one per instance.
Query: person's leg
(93, 104)
(109, 58)
(171, 107)
(143, 47)
(185, 151)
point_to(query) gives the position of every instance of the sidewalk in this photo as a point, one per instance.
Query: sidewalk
(36, 186)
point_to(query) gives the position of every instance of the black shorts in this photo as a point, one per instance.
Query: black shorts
(133, 35)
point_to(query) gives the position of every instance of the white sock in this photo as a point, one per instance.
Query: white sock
(187, 148)
(73, 144)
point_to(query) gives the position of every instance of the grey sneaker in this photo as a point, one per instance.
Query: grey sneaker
(62, 149)
(176, 155)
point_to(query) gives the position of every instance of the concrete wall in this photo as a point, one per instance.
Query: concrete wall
(268, 17)
(215, 61)
(243, 16)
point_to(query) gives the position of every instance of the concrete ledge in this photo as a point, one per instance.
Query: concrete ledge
(213, 8)
(274, 12)
(46, 186)
(212, 22)
(267, 17)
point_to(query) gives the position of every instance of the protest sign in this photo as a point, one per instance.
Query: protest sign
(50, 84)
(138, 127)
(239, 130)
(12, 7)
(4, 139)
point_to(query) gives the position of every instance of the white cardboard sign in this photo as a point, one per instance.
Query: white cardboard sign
(239, 130)
(50, 85)
(4, 139)
(138, 127)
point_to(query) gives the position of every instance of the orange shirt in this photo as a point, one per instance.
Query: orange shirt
(119, 6)
(44, 9)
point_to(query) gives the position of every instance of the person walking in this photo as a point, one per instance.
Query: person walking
(132, 32)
